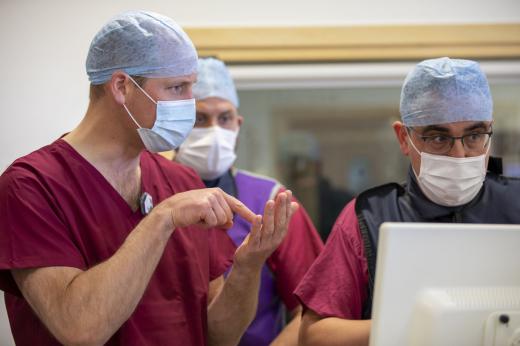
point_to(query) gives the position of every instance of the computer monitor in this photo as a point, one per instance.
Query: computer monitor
(447, 284)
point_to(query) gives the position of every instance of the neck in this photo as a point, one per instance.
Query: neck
(107, 137)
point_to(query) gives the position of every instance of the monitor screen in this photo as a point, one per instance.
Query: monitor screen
(447, 284)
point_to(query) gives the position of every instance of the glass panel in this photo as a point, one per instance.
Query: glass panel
(329, 144)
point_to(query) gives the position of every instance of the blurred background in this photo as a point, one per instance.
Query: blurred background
(318, 82)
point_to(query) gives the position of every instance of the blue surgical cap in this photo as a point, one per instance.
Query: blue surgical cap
(444, 90)
(214, 80)
(142, 44)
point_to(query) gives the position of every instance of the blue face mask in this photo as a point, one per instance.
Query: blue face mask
(173, 122)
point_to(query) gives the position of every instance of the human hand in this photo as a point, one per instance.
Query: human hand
(267, 232)
(204, 207)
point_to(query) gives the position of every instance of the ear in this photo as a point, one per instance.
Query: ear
(118, 87)
(402, 137)
(240, 120)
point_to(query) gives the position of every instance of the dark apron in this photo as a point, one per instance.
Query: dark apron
(497, 202)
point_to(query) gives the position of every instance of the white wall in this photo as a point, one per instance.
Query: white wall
(43, 86)
(5, 332)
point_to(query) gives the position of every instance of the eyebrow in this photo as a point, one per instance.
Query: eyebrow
(228, 112)
(180, 82)
(479, 125)
(438, 128)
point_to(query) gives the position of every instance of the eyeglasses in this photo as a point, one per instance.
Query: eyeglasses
(473, 143)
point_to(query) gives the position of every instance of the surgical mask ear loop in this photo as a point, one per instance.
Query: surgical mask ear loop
(414, 148)
(131, 116)
(489, 146)
(144, 92)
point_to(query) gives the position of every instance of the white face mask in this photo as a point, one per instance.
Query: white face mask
(451, 181)
(209, 150)
(173, 122)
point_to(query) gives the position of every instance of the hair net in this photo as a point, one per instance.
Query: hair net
(143, 44)
(214, 80)
(445, 90)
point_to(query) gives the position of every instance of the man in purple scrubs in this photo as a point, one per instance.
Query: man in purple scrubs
(210, 150)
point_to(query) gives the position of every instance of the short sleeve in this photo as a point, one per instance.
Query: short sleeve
(335, 285)
(291, 260)
(221, 252)
(32, 233)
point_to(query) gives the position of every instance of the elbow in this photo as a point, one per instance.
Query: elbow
(309, 331)
(304, 339)
(80, 335)
(80, 340)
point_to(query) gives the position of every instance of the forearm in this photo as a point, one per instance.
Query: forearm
(289, 335)
(234, 307)
(332, 331)
(96, 302)
(107, 295)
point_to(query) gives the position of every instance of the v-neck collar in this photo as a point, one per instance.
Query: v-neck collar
(226, 182)
(116, 196)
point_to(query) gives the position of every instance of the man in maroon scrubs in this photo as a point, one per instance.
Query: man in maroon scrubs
(103, 242)
(445, 130)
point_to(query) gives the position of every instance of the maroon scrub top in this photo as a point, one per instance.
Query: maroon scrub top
(56, 209)
(336, 283)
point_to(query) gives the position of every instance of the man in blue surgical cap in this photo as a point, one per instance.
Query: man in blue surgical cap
(102, 241)
(446, 130)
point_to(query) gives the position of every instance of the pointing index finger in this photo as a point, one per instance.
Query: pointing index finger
(239, 208)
